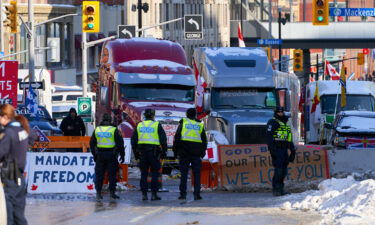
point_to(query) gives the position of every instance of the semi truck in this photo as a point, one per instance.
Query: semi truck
(237, 92)
(360, 96)
(140, 73)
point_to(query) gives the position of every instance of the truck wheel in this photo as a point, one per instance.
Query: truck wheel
(167, 170)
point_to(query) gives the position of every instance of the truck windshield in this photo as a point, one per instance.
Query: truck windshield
(353, 102)
(243, 98)
(157, 92)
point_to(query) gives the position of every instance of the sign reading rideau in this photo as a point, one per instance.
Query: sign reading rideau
(251, 164)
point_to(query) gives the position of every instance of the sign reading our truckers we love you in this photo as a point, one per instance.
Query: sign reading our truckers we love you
(60, 173)
(252, 164)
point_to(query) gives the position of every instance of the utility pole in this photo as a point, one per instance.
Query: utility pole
(279, 20)
(139, 7)
(84, 64)
(241, 9)
(270, 26)
(31, 41)
(1, 28)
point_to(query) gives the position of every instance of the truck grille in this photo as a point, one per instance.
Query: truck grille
(251, 134)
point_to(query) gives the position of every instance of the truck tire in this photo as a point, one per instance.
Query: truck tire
(167, 170)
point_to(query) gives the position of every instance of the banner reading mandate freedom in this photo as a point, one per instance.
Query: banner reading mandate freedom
(251, 164)
(60, 173)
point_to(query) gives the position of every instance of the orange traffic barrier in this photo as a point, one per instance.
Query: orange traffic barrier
(160, 179)
(209, 175)
(122, 175)
(65, 142)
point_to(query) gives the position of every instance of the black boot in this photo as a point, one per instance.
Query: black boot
(154, 196)
(113, 195)
(144, 196)
(99, 196)
(197, 197)
(182, 197)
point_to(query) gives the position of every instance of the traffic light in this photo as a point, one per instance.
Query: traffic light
(12, 16)
(360, 59)
(320, 12)
(91, 16)
(298, 60)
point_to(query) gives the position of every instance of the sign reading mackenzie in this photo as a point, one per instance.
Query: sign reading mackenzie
(251, 164)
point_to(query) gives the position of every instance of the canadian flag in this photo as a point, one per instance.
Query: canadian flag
(331, 71)
(241, 42)
(199, 92)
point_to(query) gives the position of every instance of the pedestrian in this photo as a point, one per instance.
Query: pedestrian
(190, 144)
(149, 143)
(279, 140)
(14, 141)
(72, 125)
(106, 144)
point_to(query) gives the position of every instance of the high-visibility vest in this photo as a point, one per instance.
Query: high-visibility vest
(191, 130)
(105, 136)
(148, 132)
(283, 133)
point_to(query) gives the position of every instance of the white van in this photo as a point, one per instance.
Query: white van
(63, 101)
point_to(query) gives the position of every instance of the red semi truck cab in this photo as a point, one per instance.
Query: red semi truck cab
(140, 73)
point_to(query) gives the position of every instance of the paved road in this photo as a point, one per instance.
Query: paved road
(215, 208)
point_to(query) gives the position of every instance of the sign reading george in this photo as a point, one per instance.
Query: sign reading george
(84, 108)
(34, 85)
(269, 41)
(8, 82)
(252, 164)
(126, 31)
(352, 11)
(193, 25)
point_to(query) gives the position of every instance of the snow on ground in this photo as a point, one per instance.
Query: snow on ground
(339, 201)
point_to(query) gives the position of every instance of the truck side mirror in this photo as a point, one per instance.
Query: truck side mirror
(328, 126)
(206, 101)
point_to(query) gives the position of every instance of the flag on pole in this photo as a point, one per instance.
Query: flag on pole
(241, 42)
(343, 86)
(31, 102)
(331, 71)
(316, 99)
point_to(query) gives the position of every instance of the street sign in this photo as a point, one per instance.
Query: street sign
(84, 108)
(269, 41)
(193, 27)
(1, 54)
(8, 82)
(352, 11)
(126, 31)
(34, 85)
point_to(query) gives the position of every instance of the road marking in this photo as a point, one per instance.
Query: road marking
(138, 218)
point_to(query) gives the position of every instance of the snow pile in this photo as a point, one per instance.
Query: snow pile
(340, 201)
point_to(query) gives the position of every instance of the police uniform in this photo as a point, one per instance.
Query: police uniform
(106, 143)
(190, 143)
(14, 144)
(279, 140)
(149, 143)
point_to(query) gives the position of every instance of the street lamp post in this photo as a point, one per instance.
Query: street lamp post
(279, 20)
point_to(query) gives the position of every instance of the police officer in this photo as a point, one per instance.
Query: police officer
(149, 143)
(279, 140)
(190, 144)
(14, 141)
(105, 144)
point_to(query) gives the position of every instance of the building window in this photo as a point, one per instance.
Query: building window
(161, 19)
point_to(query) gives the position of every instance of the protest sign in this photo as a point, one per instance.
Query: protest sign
(250, 164)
